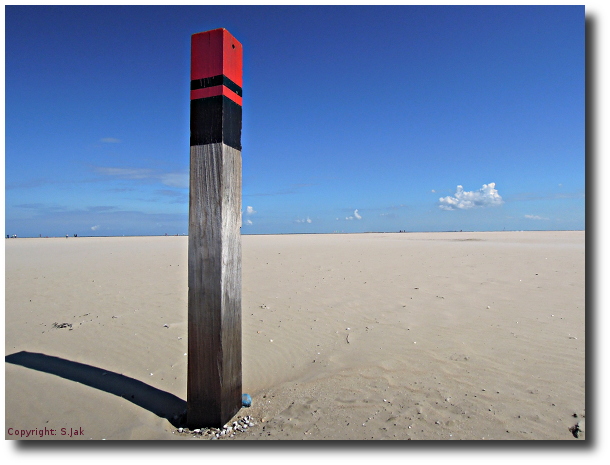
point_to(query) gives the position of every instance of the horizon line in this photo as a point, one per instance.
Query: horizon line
(308, 233)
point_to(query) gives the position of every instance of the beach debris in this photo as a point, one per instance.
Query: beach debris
(166, 326)
(246, 400)
(577, 429)
(227, 431)
(62, 325)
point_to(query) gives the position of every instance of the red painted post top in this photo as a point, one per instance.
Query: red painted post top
(216, 53)
(216, 93)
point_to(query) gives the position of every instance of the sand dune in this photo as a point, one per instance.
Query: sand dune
(359, 336)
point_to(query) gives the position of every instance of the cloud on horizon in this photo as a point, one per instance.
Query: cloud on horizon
(535, 217)
(486, 196)
(356, 216)
(110, 140)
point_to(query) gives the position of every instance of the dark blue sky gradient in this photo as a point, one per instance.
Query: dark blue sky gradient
(368, 113)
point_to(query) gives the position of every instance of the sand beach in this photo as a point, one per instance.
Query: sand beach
(402, 336)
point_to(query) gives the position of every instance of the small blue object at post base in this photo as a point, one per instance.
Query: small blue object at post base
(246, 400)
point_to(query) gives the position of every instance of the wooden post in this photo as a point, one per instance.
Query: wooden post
(214, 382)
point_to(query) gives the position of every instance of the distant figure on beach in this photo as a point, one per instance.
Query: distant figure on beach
(66, 236)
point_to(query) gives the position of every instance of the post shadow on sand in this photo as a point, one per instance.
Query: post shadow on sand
(161, 403)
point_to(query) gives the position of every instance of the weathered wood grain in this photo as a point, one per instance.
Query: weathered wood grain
(214, 384)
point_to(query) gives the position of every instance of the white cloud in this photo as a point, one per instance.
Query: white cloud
(250, 210)
(535, 217)
(110, 140)
(95, 228)
(175, 179)
(486, 196)
(308, 220)
(356, 216)
(300, 220)
(180, 180)
(433, 191)
(125, 173)
(248, 222)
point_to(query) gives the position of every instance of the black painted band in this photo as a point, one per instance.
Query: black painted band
(216, 119)
(220, 80)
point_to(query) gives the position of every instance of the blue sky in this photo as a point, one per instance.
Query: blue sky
(355, 118)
